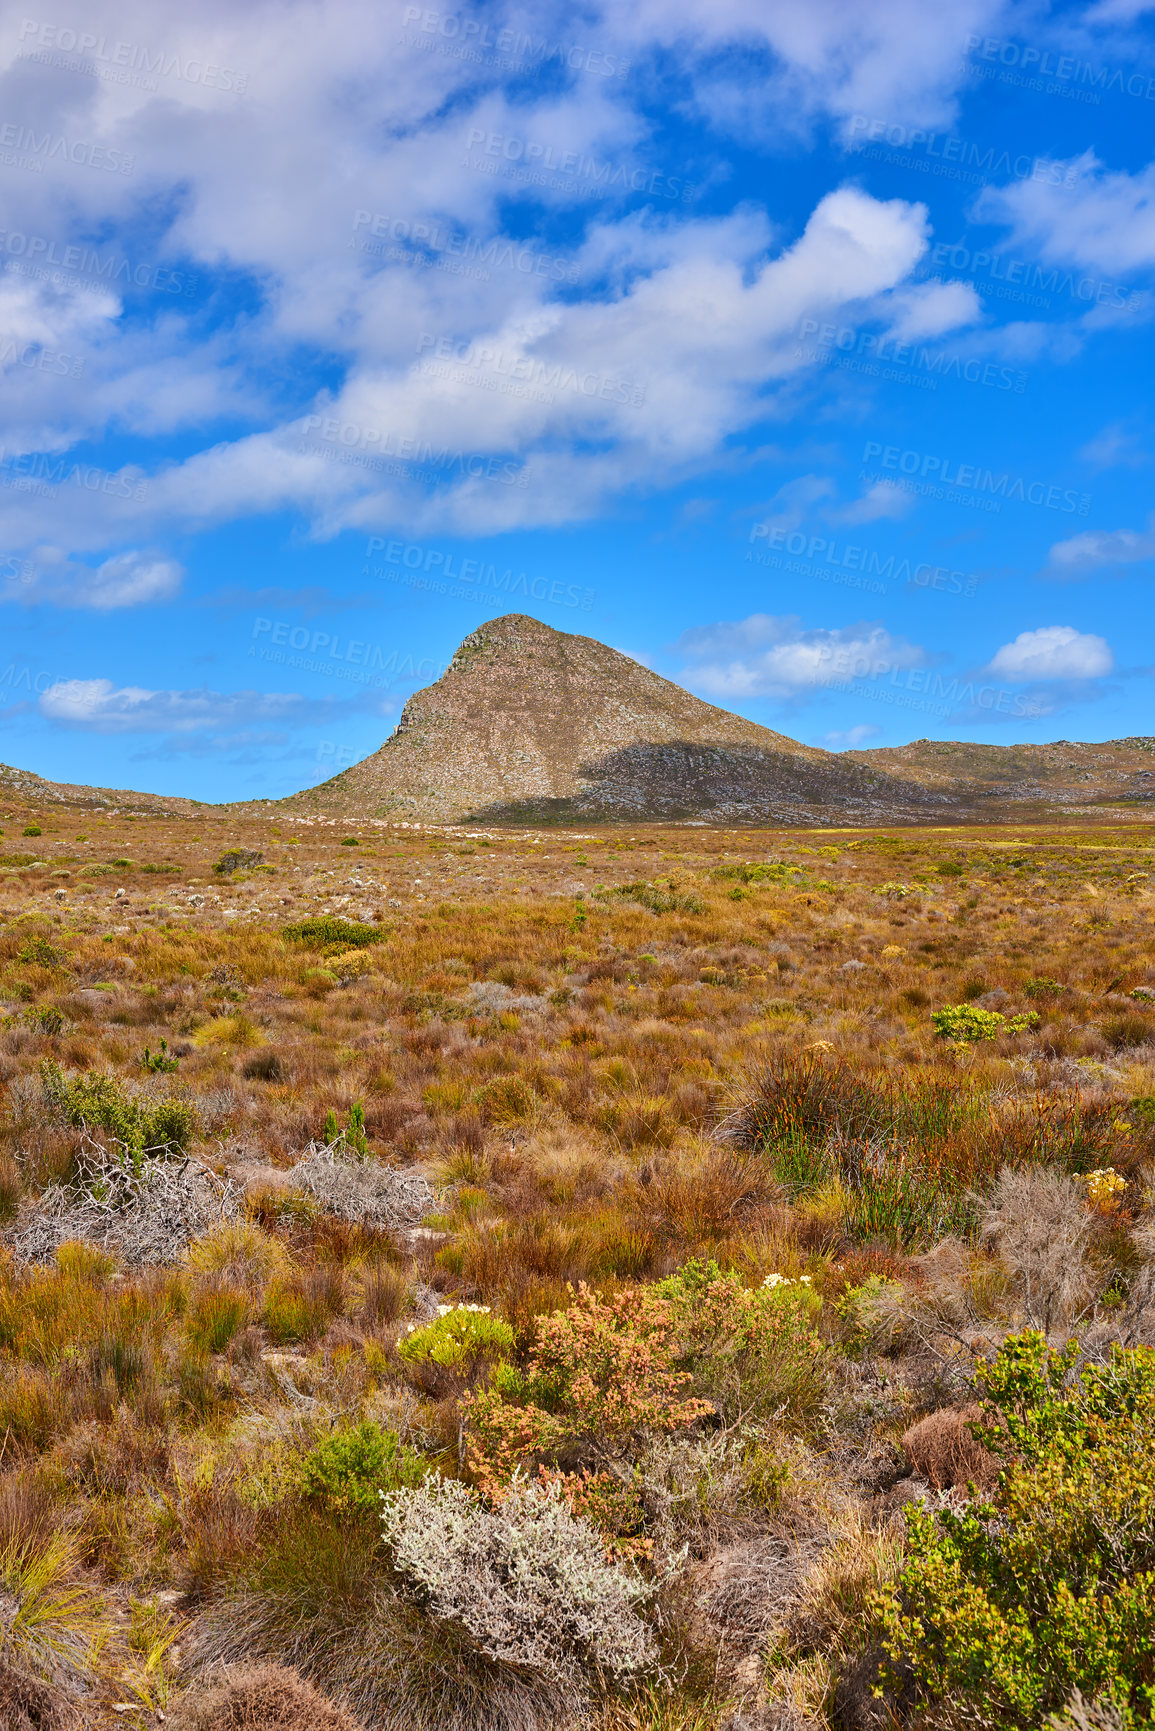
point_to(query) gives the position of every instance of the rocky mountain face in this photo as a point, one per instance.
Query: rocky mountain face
(532, 725)
(536, 725)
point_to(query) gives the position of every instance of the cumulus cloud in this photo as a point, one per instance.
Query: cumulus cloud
(103, 707)
(132, 579)
(932, 309)
(768, 656)
(1053, 652)
(1096, 549)
(1095, 219)
(825, 57)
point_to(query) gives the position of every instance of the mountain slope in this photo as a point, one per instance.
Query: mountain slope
(25, 790)
(1062, 773)
(536, 724)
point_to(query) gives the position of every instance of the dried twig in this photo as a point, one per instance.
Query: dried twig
(362, 1190)
(144, 1210)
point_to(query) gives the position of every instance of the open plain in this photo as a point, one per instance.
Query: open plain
(616, 1202)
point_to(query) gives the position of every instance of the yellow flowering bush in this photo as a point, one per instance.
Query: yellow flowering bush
(1105, 1188)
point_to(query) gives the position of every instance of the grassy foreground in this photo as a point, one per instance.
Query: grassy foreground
(731, 1253)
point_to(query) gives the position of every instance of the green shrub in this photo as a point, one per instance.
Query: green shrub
(1004, 1608)
(350, 1467)
(761, 872)
(158, 1062)
(965, 1023)
(32, 829)
(354, 1134)
(754, 1354)
(659, 898)
(461, 1336)
(327, 929)
(1042, 988)
(98, 1101)
(40, 953)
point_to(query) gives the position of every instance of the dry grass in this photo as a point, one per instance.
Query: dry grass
(259, 1698)
(550, 1095)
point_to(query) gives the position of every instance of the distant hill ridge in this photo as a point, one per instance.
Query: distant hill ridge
(533, 725)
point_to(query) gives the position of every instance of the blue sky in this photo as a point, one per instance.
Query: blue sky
(798, 348)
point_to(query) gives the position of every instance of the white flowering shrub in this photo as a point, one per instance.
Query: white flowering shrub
(458, 1334)
(528, 1582)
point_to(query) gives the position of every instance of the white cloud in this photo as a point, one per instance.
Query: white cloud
(1115, 447)
(882, 501)
(704, 338)
(1117, 11)
(100, 705)
(832, 57)
(1101, 221)
(931, 309)
(794, 501)
(1096, 548)
(852, 738)
(768, 656)
(131, 579)
(1053, 652)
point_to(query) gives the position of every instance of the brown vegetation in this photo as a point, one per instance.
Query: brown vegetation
(535, 1060)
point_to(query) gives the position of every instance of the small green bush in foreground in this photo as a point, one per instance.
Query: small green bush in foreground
(350, 1468)
(99, 1102)
(1006, 1608)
